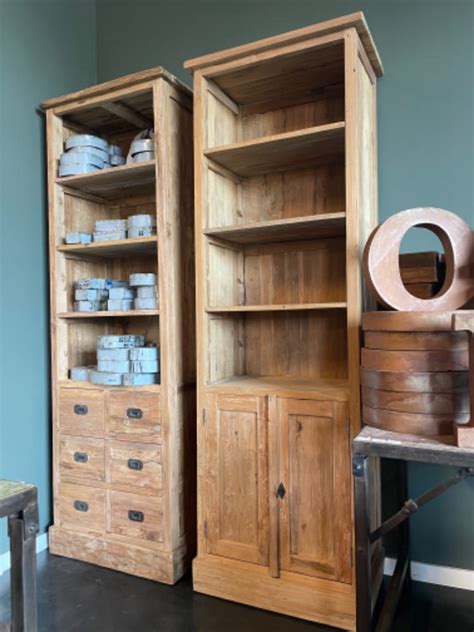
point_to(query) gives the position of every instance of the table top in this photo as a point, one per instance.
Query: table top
(12, 488)
(393, 445)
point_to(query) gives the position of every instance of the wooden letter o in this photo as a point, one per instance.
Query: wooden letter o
(382, 268)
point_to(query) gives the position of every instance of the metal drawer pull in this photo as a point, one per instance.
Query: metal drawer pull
(135, 464)
(81, 505)
(136, 516)
(81, 409)
(281, 491)
(81, 457)
(134, 413)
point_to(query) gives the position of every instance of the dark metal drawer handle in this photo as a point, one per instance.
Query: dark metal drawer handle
(81, 409)
(136, 516)
(135, 464)
(134, 413)
(81, 505)
(81, 457)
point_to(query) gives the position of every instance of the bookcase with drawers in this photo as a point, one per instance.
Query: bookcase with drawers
(286, 196)
(123, 470)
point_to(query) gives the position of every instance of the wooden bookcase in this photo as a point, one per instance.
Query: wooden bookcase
(162, 438)
(286, 195)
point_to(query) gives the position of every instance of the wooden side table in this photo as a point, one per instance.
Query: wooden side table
(374, 442)
(18, 503)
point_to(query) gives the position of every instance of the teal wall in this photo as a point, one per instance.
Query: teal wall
(426, 134)
(46, 48)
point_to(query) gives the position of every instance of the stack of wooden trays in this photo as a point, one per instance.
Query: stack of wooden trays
(422, 273)
(414, 373)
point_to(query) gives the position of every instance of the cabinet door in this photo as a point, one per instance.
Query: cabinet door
(315, 510)
(236, 478)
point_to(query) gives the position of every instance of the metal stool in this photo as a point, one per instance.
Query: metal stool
(18, 502)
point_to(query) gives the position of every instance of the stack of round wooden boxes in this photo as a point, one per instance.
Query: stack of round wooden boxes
(414, 373)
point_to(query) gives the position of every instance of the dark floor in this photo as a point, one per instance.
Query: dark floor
(74, 596)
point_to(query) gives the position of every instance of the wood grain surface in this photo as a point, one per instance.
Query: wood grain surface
(433, 403)
(407, 321)
(422, 424)
(415, 360)
(415, 341)
(416, 382)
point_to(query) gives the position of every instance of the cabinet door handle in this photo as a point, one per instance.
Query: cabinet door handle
(81, 505)
(136, 516)
(81, 457)
(281, 491)
(135, 464)
(81, 409)
(134, 413)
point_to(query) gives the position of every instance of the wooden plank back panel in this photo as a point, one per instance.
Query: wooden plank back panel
(298, 344)
(286, 194)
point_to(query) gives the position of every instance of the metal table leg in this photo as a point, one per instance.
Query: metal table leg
(22, 530)
(362, 532)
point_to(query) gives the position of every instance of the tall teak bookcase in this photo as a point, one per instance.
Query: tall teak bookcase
(286, 195)
(107, 510)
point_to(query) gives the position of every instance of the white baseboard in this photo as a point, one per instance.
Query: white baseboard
(432, 574)
(41, 545)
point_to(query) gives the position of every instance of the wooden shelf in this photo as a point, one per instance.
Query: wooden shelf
(114, 182)
(334, 389)
(275, 308)
(155, 388)
(132, 313)
(295, 228)
(280, 151)
(115, 248)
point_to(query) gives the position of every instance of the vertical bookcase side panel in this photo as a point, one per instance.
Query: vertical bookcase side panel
(175, 253)
(223, 122)
(361, 199)
(57, 271)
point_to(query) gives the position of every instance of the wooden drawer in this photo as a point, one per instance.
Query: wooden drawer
(136, 465)
(134, 415)
(81, 412)
(136, 516)
(82, 458)
(81, 507)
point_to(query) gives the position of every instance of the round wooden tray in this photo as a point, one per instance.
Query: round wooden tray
(432, 403)
(408, 321)
(416, 382)
(416, 341)
(422, 424)
(409, 361)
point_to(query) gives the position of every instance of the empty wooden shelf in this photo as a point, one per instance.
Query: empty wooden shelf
(281, 151)
(286, 196)
(123, 456)
(324, 225)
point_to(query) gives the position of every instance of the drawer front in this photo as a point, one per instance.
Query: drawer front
(81, 412)
(81, 508)
(136, 465)
(82, 458)
(136, 516)
(134, 415)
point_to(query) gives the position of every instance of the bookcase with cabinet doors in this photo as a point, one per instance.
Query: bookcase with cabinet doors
(127, 503)
(286, 195)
